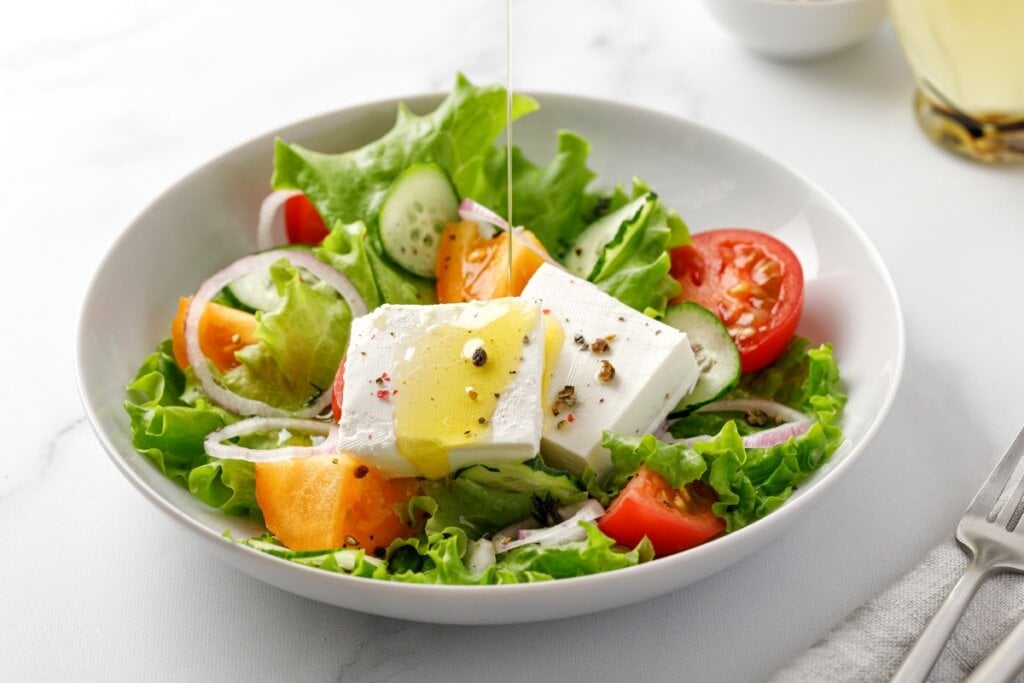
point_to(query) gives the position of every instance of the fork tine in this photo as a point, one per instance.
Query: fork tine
(997, 482)
(1009, 514)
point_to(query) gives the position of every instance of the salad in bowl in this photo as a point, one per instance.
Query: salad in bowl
(402, 385)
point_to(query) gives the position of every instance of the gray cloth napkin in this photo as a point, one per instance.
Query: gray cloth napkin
(870, 643)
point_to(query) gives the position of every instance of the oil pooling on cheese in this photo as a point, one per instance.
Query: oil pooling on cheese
(554, 337)
(452, 378)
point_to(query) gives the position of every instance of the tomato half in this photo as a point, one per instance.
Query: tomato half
(672, 519)
(332, 501)
(751, 281)
(337, 391)
(475, 268)
(302, 222)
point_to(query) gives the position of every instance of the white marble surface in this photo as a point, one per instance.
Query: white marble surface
(106, 103)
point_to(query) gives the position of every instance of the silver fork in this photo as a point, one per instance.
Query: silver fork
(992, 534)
(1003, 663)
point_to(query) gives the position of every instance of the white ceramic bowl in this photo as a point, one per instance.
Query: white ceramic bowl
(209, 218)
(798, 29)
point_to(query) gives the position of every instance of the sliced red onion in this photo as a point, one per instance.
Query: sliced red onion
(662, 433)
(795, 423)
(747, 405)
(512, 530)
(270, 231)
(216, 448)
(567, 511)
(225, 397)
(479, 555)
(776, 435)
(470, 210)
(564, 532)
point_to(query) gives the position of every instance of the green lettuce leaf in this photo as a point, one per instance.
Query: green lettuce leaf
(165, 428)
(485, 498)
(458, 135)
(751, 483)
(634, 267)
(341, 560)
(677, 463)
(347, 248)
(170, 418)
(799, 375)
(700, 424)
(550, 201)
(301, 344)
(436, 559)
(226, 484)
(439, 558)
(594, 555)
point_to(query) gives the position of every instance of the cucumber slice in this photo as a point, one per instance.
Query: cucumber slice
(584, 258)
(417, 207)
(717, 355)
(256, 291)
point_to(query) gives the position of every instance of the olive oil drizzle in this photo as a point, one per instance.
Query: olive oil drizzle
(508, 131)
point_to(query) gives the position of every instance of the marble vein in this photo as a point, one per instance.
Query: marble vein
(44, 461)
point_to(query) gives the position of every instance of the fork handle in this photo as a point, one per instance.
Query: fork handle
(1004, 662)
(922, 656)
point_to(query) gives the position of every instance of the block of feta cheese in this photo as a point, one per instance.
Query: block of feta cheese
(430, 389)
(617, 370)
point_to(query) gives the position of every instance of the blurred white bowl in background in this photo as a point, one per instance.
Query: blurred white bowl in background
(798, 29)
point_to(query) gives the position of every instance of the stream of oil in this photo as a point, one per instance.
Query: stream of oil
(508, 131)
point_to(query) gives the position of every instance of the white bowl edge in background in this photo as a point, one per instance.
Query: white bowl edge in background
(798, 29)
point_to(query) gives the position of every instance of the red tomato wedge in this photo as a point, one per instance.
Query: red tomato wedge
(337, 391)
(751, 281)
(672, 519)
(302, 222)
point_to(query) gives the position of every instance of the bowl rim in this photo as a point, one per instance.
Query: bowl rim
(809, 3)
(237, 554)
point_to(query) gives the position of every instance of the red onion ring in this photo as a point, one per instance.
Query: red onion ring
(661, 433)
(564, 532)
(270, 231)
(776, 435)
(746, 405)
(225, 397)
(763, 439)
(216, 449)
(795, 424)
(470, 210)
(513, 529)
